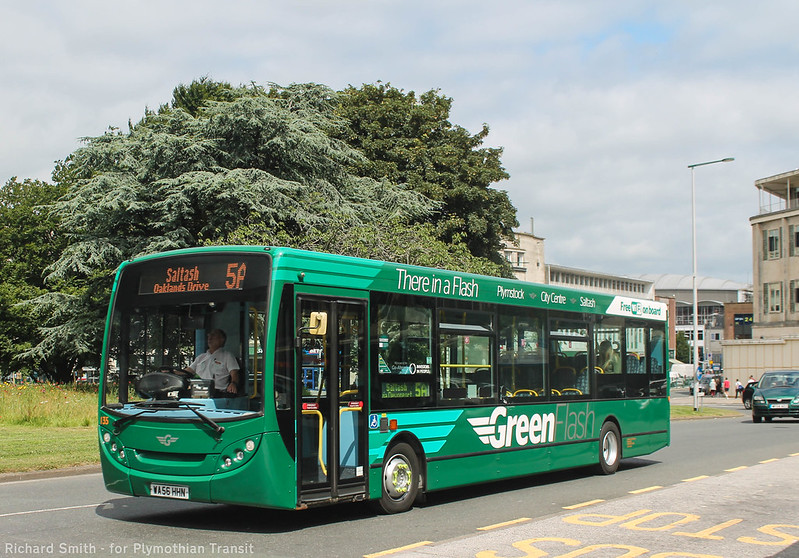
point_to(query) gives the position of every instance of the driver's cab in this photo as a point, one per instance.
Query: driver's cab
(162, 313)
(163, 342)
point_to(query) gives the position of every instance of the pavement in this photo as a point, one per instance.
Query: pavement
(681, 396)
(699, 517)
(49, 473)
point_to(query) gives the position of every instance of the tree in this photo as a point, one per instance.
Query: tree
(409, 140)
(264, 159)
(390, 240)
(683, 348)
(29, 242)
(193, 97)
(250, 165)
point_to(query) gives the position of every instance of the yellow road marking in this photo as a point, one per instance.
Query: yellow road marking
(741, 468)
(504, 524)
(772, 460)
(700, 477)
(793, 454)
(399, 549)
(582, 505)
(647, 489)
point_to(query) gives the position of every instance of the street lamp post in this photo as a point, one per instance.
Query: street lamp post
(696, 303)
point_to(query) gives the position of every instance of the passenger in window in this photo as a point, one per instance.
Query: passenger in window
(217, 364)
(607, 359)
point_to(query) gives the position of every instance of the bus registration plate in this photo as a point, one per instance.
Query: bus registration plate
(169, 491)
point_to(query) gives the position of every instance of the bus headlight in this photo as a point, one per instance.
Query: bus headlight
(113, 447)
(237, 454)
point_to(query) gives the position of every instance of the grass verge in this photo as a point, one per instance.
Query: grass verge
(47, 426)
(686, 412)
(37, 448)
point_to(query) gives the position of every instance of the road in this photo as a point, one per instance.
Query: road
(725, 478)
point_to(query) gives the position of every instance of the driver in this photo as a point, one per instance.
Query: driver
(217, 364)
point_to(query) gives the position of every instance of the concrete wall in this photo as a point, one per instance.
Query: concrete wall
(745, 357)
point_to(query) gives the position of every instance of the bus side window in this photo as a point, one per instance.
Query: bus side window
(609, 360)
(402, 377)
(466, 371)
(522, 356)
(465, 367)
(635, 360)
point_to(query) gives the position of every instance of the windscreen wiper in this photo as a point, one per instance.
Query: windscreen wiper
(127, 418)
(161, 404)
(156, 405)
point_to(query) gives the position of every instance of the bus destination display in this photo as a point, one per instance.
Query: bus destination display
(205, 276)
(405, 389)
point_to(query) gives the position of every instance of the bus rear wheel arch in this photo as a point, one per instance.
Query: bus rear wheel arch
(400, 479)
(609, 448)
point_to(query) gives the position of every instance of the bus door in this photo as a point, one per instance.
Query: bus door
(331, 374)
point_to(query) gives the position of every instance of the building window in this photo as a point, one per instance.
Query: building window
(515, 259)
(793, 238)
(772, 244)
(772, 298)
(794, 292)
(684, 315)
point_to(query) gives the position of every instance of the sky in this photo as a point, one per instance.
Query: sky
(599, 106)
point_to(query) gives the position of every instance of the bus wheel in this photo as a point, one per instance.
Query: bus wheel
(609, 448)
(400, 479)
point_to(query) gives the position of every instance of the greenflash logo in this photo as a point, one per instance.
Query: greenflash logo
(500, 430)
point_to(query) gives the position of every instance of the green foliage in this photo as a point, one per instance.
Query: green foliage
(409, 140)
(390, 239)
(683, 348)
(371, 172)
(196, 95)
(175, 180)
(29, 241)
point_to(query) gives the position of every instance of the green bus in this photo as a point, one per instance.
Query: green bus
(365, 380)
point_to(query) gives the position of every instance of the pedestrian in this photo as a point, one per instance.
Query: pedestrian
(726, 388)
(712, 387)
(739, 388)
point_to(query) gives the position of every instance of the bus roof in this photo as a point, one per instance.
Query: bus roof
(318, 268)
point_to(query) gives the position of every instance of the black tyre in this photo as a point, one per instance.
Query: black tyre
(400, 479)
(609, 448)
(756, 418)
(747, 403)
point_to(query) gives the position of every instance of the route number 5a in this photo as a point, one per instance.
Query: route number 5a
(235, 275)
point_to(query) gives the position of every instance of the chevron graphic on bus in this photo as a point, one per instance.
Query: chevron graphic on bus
(500, 430)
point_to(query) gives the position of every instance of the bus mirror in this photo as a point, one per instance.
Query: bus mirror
(318, 323)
